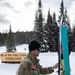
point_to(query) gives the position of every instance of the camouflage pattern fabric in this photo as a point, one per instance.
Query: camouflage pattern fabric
(30, 66)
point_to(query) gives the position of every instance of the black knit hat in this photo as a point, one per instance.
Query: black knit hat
(34, 45)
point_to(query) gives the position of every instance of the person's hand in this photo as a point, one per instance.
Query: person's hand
(51, 70)
(55, 66)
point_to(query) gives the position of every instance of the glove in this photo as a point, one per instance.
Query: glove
(51, 70)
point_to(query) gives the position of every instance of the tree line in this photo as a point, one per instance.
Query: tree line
(18, 37)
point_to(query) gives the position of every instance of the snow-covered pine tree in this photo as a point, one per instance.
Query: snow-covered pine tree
(38, 27)
(50, 29)
(55, 32)
(48, 32)
(10, 44)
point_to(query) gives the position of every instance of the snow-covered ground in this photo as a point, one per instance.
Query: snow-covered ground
(46, 59)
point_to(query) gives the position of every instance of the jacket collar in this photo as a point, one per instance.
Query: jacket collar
(33, 58)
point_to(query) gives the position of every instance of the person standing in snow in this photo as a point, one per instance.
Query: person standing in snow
(30, 65)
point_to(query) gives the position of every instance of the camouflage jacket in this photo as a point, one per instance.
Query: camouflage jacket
(30, 66)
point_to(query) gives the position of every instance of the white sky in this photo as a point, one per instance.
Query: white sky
(21, 13)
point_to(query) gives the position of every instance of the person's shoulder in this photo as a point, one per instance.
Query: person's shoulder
(24, 63)
(25, 60)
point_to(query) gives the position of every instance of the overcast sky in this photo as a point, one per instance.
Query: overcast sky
(21, 13)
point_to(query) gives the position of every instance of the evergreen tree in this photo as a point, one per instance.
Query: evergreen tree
(55, 32)
(73, 39)
(1, 40)
(10, 44)
(38, 28)
(62, 8)
(49, 18)
(65, 19)
(61, 17)
(4, 35)
(51, 31)
(48, 32)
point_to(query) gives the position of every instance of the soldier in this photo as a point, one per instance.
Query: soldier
(30, 65)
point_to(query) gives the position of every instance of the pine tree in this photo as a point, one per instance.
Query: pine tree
(61, 17)
(10, 44)
(55, 32)
(51, 31)
(67, 21)
(1, 39)
(73, 39)
(48, 32)
(49, 18)
(38, 28)
(64, 18)
(62, 8)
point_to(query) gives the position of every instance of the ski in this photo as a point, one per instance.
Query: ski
(65, 50)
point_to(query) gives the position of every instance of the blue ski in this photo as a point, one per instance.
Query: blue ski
(65, 50)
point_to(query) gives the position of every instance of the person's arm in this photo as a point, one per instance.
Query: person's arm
(24, 68)
(55, 66)
(46, 70)
(20, 70)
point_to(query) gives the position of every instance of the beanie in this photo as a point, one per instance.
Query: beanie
(34, 45)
